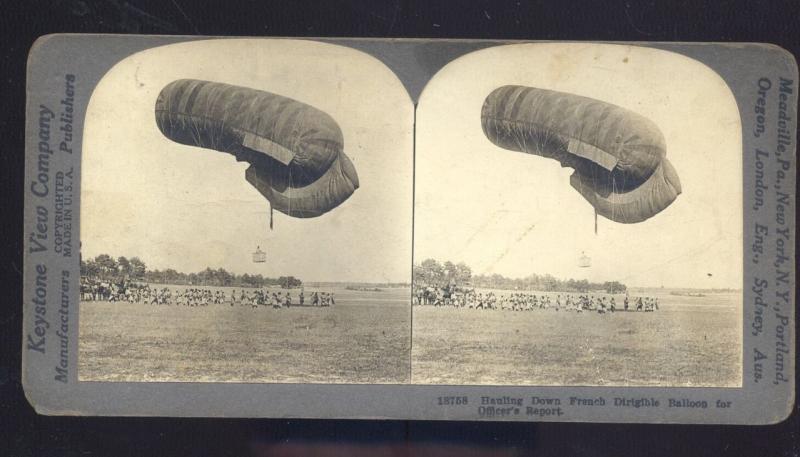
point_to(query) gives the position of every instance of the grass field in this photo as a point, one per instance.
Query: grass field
(364, 338)
(690, 341)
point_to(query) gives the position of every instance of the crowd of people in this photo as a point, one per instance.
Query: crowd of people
(523, 301)
(134, 292)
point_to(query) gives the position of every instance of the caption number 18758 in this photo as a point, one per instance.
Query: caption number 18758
(452, 400)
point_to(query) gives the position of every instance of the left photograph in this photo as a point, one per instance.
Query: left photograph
(246, 216)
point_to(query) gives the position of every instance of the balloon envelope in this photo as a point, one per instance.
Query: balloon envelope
(295, 150)
(618, 155)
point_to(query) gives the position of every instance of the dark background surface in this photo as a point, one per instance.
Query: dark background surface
(23, 432)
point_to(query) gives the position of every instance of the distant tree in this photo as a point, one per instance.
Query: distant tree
(463, 274)
(430, 273)
(153, 276)
(124, 267)
(417, 275)
(549, 283)
(170, 275)
(106, 265)
(207, 277)
(570, 285)
(224, 278)
(449, 272)
(138, 268)
(614, 287)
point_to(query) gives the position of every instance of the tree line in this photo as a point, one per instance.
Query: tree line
(106, 267)
(432, 273)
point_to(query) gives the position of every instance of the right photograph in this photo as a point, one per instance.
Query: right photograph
(577, 220)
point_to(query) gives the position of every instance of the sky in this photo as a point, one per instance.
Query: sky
(188, 208)
(511, 213)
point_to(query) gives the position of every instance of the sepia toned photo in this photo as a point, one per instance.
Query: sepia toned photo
(578, 220)
(246, 216)
(409, 229)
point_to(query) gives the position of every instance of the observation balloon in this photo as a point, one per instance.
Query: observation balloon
(295, 151)
(618, 155)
